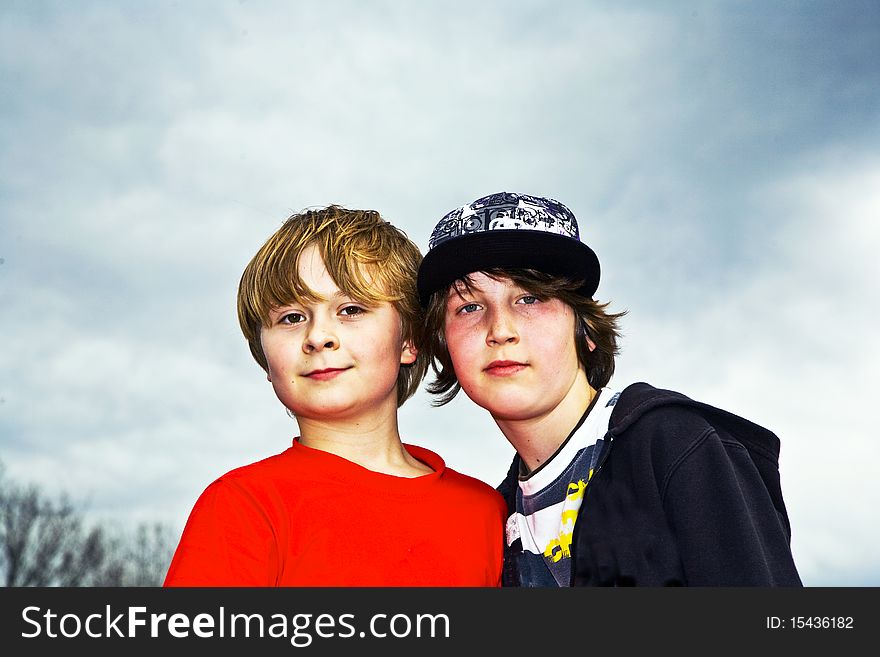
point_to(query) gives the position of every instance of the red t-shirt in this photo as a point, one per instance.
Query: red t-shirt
(306, 517)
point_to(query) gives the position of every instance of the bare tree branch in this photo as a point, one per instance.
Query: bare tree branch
(43, 543)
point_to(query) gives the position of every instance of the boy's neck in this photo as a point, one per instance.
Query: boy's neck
(371, 442)
(537, 439)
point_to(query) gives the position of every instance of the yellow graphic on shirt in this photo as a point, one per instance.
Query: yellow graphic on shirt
(560, 547)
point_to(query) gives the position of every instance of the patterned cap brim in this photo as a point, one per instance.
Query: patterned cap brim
(507, 249)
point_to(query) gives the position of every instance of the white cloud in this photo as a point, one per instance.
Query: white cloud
(147, 152)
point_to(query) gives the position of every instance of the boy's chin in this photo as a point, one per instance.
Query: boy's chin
(340, 409)
(503, 407)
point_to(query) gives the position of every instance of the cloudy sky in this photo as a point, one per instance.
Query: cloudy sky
(723, 159)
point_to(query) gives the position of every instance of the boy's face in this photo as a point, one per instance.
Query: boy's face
(336, 358)
(513, 354)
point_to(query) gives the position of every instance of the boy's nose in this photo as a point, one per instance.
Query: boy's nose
(320, 337)
(502, 330)
(310, 346)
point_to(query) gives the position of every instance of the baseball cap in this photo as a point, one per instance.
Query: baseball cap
(510, 231)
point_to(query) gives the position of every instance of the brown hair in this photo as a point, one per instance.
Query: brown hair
(592, 321)
(367, 257)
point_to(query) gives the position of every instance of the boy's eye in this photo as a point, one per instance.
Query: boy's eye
(291, 318)
(469, 308)
(352, 310)
(528, 299)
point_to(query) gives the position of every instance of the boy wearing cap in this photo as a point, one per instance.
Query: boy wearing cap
(328, 306)
(642, 487)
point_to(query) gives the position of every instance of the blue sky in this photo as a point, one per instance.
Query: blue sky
(723, 160)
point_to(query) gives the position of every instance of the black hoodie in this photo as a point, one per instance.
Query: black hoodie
(685, 494)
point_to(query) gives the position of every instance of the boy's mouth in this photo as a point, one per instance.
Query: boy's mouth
(504, 367)
(325, 374)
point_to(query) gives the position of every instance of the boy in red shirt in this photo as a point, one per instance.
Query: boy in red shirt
(330, 311)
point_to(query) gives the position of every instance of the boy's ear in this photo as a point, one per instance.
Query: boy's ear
(408, 354)
(590, 344)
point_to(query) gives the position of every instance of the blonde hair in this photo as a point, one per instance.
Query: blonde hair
(368, 259)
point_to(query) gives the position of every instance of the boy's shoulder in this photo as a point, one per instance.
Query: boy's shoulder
(260, 473)
(458, 485)
(468, 483)
(646, 411)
